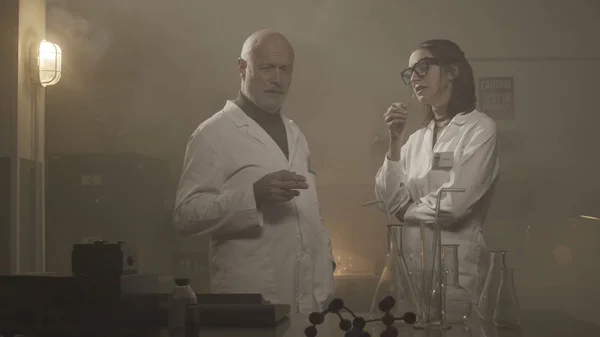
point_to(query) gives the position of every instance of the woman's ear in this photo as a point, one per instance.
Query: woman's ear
(453, 72)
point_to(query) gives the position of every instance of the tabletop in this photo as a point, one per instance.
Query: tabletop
(533, 324)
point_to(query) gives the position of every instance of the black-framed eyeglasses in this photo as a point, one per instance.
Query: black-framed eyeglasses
(420, 68)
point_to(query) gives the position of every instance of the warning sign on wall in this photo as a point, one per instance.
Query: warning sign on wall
(496, 97)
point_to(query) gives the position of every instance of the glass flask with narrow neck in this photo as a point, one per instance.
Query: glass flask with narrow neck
(395, 280)
(506, 310)
(458, 301)
(487, 300)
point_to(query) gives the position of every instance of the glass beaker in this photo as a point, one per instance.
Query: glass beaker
(506, 311)
(181, 297)
(487, 300)
(458, 301)
(395, 280)
(430, 284)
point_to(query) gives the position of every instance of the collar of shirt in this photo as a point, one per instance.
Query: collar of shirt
(256, 113)
(459, 119)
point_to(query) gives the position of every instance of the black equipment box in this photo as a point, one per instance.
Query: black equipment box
(102, 258)
(67, 305)
(56, 289)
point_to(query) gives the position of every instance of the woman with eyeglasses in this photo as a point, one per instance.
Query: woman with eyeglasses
(455, 148)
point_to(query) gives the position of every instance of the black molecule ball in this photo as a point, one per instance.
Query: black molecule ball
(387, 304)
(388, 319)
(409, 318)
(389, 332)
(359, 323)
(311, 331)
(354, 333)
(316, 318)
(336, 305)
(345, 325)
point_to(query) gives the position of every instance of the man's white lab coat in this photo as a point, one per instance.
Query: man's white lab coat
(282, 251)
(470, 141)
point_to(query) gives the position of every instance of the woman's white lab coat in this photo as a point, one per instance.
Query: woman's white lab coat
(282, 251)
(468, 148)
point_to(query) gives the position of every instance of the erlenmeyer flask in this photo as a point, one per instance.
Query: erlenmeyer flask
(394, 280)
(506, 311)
(458, 301)
(487, 300)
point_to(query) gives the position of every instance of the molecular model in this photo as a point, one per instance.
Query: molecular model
(356, 327)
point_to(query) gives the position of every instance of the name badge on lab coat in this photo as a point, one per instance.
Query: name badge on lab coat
(442, 161)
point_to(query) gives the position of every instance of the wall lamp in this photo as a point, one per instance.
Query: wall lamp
(49, 63)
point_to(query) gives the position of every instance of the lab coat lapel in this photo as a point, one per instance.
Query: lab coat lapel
(254, 131)
(428, 138)
(291, 132)
(246, 124)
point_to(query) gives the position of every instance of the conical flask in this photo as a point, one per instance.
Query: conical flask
(458, 301)
(487, 300)
(506, 311)
(394, 280)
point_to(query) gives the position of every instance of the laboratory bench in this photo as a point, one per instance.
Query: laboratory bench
(145, 313)
(533, 324)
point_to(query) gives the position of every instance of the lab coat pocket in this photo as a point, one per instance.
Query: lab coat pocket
(240, 266)
(437, 178)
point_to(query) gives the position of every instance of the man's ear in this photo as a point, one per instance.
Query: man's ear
(242, 65)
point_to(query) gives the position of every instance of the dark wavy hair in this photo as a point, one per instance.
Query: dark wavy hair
(462, 97)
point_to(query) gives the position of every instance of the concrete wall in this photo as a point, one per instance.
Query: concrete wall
(9, 12)
(22, 138)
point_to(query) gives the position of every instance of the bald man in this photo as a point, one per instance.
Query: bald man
(249, 183)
